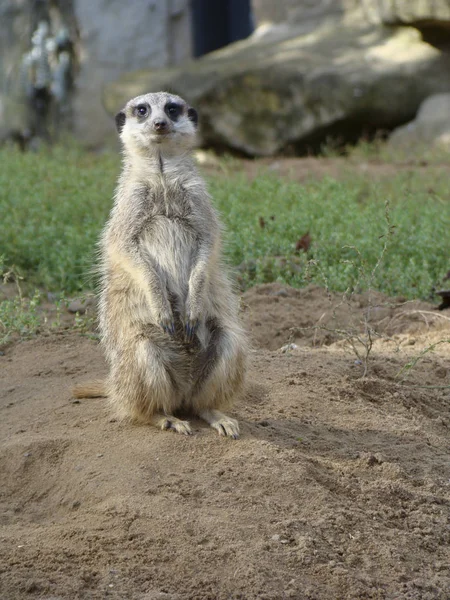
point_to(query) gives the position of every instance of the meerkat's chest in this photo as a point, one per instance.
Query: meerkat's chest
(171, 231)
(169, 202)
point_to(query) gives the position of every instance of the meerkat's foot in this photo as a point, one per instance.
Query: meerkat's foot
(225, 425)
(169, 422)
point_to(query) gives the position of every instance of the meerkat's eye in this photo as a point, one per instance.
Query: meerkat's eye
(173, 110)
(142, 110)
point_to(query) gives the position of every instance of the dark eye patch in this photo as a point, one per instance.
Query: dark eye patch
(142, 110)
(173, 110)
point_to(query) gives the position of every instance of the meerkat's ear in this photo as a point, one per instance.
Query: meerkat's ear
(120, 121)
(193, 116)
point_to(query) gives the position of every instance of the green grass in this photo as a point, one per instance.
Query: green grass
(339, 215)
(53, 205)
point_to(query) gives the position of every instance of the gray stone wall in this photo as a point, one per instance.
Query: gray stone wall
(112, 37)
(117, 37)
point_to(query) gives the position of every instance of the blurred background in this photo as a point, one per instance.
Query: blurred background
(268, 77)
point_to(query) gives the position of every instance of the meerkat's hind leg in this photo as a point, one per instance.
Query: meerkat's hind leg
(226, 426)
(169, 422)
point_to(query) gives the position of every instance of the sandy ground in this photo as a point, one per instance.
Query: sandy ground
(339, 487)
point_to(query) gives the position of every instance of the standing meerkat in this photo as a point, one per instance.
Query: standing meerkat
(167, 313)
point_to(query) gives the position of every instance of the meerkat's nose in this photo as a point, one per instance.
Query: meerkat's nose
(160, 125)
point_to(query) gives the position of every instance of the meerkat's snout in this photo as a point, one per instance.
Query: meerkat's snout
(160, 125)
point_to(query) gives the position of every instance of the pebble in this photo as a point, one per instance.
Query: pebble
(288, 348)
(80, 305)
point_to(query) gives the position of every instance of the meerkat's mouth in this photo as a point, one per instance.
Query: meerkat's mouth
(160, 136)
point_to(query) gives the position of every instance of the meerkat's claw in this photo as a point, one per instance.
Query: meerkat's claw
(190, 330)
(228, 428)
(224, 425)
(168, 327)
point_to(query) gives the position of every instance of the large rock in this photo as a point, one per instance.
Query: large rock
(430, 128)
(430, 17)
(297, 86)
(415, 12)
(301, 11)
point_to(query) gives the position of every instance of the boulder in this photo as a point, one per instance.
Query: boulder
(295, 87)
(388, 12)
(430, 17)
(430, 128)
(411, 12)
(301, 11)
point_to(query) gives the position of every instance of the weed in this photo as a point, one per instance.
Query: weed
(359, 335)
(406, 369)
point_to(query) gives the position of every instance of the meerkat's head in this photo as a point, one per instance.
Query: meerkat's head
(157, 121)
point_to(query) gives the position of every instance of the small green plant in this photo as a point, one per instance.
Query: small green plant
(406, 369)
(18, 315)
(86, 324)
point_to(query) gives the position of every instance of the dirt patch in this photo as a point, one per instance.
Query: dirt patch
(338, 488)
(276, 315)
(302, 169)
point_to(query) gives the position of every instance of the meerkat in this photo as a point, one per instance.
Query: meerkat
(168, 316)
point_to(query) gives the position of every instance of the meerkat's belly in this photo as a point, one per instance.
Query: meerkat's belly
(172, 245)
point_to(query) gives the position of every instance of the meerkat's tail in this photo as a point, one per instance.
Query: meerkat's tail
(92, 389)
